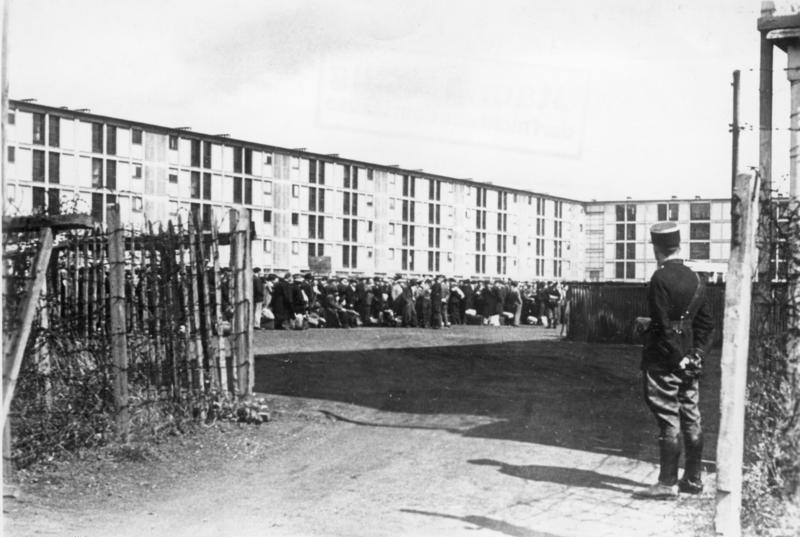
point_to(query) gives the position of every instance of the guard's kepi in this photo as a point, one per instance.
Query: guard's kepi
(665, 235)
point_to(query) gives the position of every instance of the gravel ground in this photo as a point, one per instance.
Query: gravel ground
(395, 432)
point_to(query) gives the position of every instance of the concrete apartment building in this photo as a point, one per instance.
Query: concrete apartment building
(618, 239)
(367, 218)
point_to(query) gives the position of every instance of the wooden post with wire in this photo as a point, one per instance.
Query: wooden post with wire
(735, 349)
(119, 336)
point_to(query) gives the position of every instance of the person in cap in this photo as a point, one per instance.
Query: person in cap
(674, 344)
(258, 297)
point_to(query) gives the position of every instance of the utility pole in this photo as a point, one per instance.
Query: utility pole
(735, 144)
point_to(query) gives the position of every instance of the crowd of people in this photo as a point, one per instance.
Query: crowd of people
(304, 300)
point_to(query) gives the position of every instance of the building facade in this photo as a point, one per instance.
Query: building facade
(366, 218)
(618, 238)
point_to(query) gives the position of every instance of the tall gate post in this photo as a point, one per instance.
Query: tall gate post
(735, 348)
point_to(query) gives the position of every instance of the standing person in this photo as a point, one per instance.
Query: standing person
(514, 302)
(437, 306)
(258, 297)
(565, 309)
(675, 343)
(282, 305)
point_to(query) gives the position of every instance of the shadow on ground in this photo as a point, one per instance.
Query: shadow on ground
(486, 522)
(573, 395)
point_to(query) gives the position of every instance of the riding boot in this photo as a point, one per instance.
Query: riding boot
(670, 453)
(692, 481)
(666, 488)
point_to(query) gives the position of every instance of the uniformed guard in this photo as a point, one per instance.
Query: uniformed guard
(674, 345)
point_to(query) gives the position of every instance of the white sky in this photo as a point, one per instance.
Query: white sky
(589, 99)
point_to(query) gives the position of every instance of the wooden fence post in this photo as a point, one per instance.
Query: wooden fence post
(12, 360)
(222, 354)
(192, 231)
(119, 336)
(735, 347)
(243, 326)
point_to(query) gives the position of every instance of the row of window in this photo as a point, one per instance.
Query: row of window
(666, 211)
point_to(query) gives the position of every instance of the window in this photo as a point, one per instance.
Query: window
(97, 207)
(54, 135)
(237, 190)
(97, 138)
(267, 245)
(54, 201)
(208, 216)
(111, 174)
(312, 199)
(11, 154)
(346, 176)
(97, 173)
(12, 117)
(248, 191)
(137, 172)
(625, 270)
(355, 178)
(295, 219)
(267, 188)
(207, 186)
(173, 142)
(312, 171)
(38, 199)
(700, 211)
(38, 129)
(194, 187)
(295, 191)
(207, 155)
(312, 226)
(173, 178)
(699, 231)
(321, 228)
(667, 211)
(237, 160)
(38, 166)
(369, 226)
(111, 140)
(699, 250)
(267, 216)
(370, 174)
(248, 161)
(268, 159)
(194, 153)
(136, 136)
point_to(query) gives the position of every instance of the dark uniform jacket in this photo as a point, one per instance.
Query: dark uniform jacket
(671, 290)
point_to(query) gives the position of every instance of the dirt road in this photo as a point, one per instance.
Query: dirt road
(391, 432)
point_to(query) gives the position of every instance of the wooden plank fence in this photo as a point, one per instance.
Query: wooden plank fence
(602, 312)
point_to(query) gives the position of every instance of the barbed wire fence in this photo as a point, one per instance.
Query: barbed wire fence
(772, 422)
(186, 333)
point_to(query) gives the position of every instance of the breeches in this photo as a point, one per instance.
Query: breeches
(674, 401)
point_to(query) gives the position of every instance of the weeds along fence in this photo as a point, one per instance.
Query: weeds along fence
(135, 328)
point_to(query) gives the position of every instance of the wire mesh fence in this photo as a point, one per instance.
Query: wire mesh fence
(180, 348)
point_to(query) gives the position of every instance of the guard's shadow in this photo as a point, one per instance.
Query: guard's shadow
(486, 522)
(558, 393)
(572, 477)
